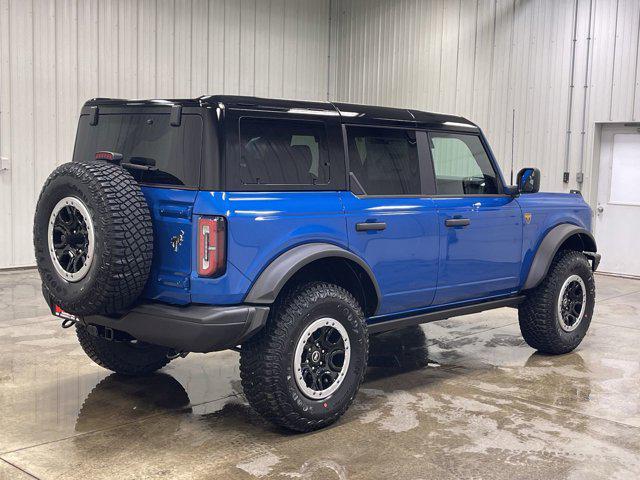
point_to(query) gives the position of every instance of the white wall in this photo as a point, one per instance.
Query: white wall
(54, 55)
(484, 58)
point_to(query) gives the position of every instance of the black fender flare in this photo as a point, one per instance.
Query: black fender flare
(550, 245)
(270, 282)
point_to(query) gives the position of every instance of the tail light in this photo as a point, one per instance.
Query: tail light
(211, 246)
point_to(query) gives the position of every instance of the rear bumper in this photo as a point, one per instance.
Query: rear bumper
(194, 328)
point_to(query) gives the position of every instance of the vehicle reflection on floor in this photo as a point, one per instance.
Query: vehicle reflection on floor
(120, 395)
(402, 350)
(125, 398)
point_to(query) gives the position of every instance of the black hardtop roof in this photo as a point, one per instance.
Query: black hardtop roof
(349, 112)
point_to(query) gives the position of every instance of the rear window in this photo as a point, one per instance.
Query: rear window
(283, 152)
(173, 153)
(385, 161)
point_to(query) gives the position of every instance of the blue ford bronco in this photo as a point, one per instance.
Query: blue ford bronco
(291, 231)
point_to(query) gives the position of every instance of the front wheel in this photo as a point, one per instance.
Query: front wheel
(304, 369)
(556, 314)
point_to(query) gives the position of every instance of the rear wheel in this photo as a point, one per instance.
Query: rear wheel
(304, 369)
(124, 357)
(556, 314)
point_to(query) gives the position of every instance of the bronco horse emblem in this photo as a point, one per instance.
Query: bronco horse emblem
(176, 240)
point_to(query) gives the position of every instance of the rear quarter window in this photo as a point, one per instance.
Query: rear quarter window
(283, 153)
(174, 152)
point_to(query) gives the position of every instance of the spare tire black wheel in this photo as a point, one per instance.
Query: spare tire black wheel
(93, 238)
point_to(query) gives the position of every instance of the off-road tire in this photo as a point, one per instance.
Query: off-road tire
(266, 360)
(538, 317)
(123, 357)
(123, 246)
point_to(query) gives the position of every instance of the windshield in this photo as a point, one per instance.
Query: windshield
(171, 154)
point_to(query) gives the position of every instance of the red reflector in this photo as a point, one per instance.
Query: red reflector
(59, 312)
(211, 246)
(108, 156)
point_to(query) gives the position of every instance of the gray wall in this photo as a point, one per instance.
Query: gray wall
(54, 55)
(484, 58)
(478, 58)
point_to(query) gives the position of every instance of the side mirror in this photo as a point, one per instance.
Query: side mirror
(529, 180)
(511, 190)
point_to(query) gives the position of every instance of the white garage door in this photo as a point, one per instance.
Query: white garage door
(617, 224)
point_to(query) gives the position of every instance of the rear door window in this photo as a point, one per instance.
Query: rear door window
(384, 160)
(172, 152)
(283, 152)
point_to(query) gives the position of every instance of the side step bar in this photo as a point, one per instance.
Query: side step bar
(432, 316)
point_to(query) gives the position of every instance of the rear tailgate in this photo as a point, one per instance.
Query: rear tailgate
(173, 232)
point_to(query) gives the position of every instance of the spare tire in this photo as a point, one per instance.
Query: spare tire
(93, 238)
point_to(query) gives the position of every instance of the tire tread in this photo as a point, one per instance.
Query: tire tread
(536, 315)
(123, 215)
(261, 358)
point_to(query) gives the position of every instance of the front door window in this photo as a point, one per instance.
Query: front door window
(461, 165)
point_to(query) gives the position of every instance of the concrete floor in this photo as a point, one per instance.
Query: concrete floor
(459, 398)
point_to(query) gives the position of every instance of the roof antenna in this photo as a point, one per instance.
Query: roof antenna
(513, 133)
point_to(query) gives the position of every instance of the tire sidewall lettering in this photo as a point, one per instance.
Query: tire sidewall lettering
(582, 270)
(336, 309)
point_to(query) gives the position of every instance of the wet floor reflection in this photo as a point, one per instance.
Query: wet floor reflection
(117, 398)
(400, 350)
(20, 297)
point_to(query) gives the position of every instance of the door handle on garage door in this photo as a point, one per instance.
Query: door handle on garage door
(370, 226)
(457, 222)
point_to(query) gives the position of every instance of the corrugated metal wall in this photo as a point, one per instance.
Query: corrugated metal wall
(56, 54)
(483, 59)
(480, 58)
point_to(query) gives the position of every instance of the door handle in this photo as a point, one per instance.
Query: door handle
(370, 226)
(457, 222)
